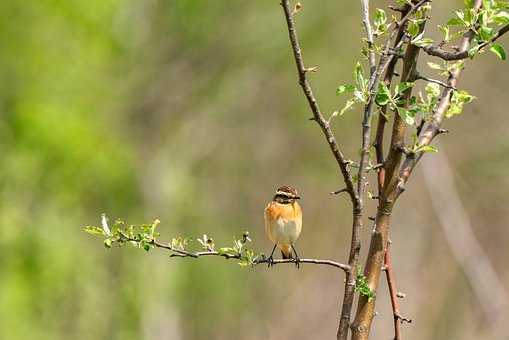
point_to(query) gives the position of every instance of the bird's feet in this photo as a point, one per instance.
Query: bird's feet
(270, 261)
(297, 262)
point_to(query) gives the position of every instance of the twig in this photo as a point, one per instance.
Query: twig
(374, 261)
(433, 128)
(184, 253)
(436, 81)
(368, 109)
(437, 51)
(308, 92)
(393, 292)
(337, 192)
(389, 68)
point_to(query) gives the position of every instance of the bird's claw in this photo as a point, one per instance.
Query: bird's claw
(270, 261)
(297, 262)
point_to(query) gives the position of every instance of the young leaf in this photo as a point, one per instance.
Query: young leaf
(459, 98)
(486, 33)
(427, 148)
(383, 95)
(498, 50)
(344, 88)
(359, 77)
(432, 89)
(380, 21)
(413, 28)
(94, 230)
(407, 115)
(402, 87)
(501, 18)
(420, 41)
(473, 51)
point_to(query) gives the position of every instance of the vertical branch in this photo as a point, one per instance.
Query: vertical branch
(375, 259)
(355, 244)
(313, 104)
(368, 109)
(393, 293)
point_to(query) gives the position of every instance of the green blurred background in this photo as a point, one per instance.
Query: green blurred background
(190, 112)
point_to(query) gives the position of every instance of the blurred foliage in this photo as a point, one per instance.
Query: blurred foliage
(189, 111)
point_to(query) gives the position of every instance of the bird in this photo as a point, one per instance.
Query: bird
(283, 222)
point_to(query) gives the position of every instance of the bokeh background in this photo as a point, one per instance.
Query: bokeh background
(190, 112)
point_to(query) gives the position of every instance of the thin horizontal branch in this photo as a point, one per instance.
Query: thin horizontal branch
(342, 266)
(437, 51)
(184, 253)
(337, 192)
(436, 81)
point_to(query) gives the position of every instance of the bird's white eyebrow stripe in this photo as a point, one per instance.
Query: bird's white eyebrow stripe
(284, 193)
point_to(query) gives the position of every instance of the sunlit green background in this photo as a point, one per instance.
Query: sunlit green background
(190, 112)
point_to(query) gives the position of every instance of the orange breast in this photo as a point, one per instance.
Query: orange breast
(273, 211)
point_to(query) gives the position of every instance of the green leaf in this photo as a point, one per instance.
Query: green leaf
(402, 87)
(413, 28)
(501, 18)
(462, 96)
(344, 88)
(359, 77)
(432, 89)
(459, 98)
(445, 31)
(473, 50)
(427, 148)
(407, 115)
(380, 17)
(94, 230)
(383, 95)
(454, 22)
(498, 50)
(486, 33)
(420, 41)
(362, 286)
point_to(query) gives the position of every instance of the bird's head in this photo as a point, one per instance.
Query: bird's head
(286, 195)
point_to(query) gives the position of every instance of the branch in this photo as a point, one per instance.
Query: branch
(365, 310)
(382, 120)
(308, 92)
(441, 83)
(433, 128)
(355, 245)
(368, 109)
(437, 51)
(184, 253)
(393, 292)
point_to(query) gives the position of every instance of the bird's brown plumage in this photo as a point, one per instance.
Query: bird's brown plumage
(283, 222)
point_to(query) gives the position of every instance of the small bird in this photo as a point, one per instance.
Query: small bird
(283, 222)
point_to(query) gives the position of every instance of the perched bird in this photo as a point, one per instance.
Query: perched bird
(283, 222)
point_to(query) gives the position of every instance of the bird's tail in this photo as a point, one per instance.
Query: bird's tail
(286, 252)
